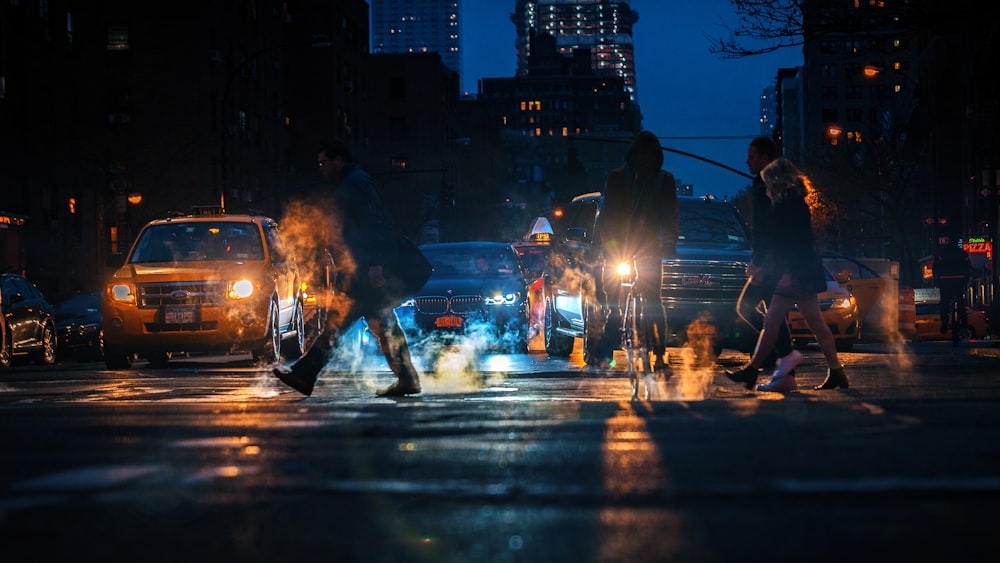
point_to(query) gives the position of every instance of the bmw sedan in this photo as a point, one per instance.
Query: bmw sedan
(476, 289)
(78, 322)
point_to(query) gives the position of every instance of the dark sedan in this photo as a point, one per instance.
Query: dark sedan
(476, 289)
(28, 328)
(78, 325)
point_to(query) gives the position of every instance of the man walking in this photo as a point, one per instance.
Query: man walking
(362, 241)
(757, 292)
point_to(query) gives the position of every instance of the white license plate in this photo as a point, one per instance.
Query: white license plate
(178, 316)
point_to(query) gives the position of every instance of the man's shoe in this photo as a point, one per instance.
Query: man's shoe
(301, 382)
(834, 378)
(400, 389)
(780, 384)
(746, 375)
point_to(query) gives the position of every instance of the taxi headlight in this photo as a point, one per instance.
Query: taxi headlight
(240, 289)
(122, 293)
(842, 303)
(502, 299)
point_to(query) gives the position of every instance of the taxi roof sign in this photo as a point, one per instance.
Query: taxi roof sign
(540, 230)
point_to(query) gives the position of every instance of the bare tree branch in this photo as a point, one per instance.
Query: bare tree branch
(763, 26)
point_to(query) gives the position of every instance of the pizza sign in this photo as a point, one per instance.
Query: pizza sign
(978, 245)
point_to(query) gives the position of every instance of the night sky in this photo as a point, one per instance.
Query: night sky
(694, 100)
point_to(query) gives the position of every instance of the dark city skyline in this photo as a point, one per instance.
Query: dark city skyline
(699, 102)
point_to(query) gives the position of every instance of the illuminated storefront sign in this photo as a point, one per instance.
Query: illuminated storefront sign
(978, 245)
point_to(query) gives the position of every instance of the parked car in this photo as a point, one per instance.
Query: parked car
(928, 323)
(27, 328)
(868, 289)
(853, 312)
(533, 251)
(840, 313)
(476, 288)
(78, 326)
(700, 287)
(204, 283)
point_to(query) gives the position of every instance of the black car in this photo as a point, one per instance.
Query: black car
(78, 326)
(476, 288)
(28, 328)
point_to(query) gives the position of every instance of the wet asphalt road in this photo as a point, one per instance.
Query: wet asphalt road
(504, 458)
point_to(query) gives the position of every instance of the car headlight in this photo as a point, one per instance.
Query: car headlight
(240, 289)
(411, 302)
(624, 269)
(502, 299)
(842, 303)
(122, 293)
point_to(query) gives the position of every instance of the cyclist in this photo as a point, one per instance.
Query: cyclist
(640, 219)
(952, 270)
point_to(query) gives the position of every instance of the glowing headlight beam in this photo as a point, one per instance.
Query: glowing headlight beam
(241, 289)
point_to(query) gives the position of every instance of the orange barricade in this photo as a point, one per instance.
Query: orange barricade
(907, 313)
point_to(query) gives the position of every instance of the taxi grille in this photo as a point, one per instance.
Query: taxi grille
(154, 295)
(459, 304)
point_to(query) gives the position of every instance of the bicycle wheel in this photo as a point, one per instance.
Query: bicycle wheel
(628, 334)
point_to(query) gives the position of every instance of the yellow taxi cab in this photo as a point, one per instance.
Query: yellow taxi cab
(209, 283)
(928, 323)
(533, 252)
(840, 313)
(868, 288)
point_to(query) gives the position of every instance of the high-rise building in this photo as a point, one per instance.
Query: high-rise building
(418, 26)
(602, 26)
(768, 107)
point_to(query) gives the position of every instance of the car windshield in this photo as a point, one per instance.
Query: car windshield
(484, 261)
(710, 222)
(187, 242)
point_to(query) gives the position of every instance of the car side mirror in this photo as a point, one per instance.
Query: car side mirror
(843, 276)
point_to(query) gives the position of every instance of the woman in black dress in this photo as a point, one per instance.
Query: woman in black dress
(800, 277)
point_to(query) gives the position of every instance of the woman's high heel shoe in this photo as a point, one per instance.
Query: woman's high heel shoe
(780, 384)
(834, 378)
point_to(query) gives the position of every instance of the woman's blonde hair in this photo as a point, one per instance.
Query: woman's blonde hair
(784, 180)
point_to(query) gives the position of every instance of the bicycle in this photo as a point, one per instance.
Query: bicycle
(633, 330)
